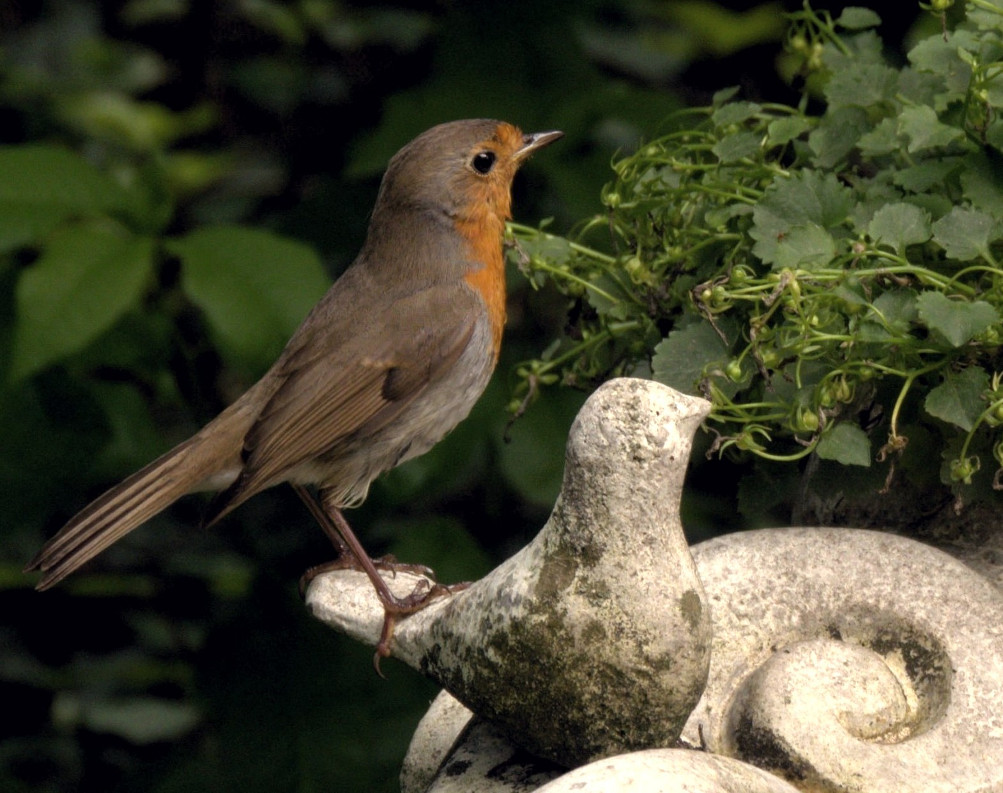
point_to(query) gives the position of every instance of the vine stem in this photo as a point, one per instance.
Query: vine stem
(983, 5)
(975, 425)
(900, 400)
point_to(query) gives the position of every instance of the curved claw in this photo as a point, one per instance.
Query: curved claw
(393, 607)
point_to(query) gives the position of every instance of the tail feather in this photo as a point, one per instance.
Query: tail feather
(127, 505)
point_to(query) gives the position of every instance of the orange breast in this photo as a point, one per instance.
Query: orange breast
(483, 233)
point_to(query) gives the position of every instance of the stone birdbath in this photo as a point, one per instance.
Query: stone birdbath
(607, 655)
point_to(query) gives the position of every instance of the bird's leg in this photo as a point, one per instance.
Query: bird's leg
(346, 558)
(353, 556)
(326, 525)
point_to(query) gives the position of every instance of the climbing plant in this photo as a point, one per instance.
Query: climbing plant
(828, 275)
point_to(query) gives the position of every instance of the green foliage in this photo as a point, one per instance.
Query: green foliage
(821, 276)
(95, 263)
(178, 183)
(253, 286)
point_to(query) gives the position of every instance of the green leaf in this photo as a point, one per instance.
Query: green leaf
(441, 542)
(254, 286)
(552, 248)
(808, 197)
(994, 134)
(532, 462)
(899, 225)
(957, 321)
(49, 176)
(898, 307)
(847, 444)
(891, 317)
(982, 184)
(22, 224)
(862, 85)
(784, 130)
(940, 56)
(805, 247)
(609, 297)
(141, 720)
(737, 146)
(883, 139)
(986, 17)
(958, 400)
(41, 186)
(734, 113)
(681, 357)
(724, 96)
(836, 135)
(87, 277)
(965, 233)
(857, 18)
(924, 130)
(932, 173)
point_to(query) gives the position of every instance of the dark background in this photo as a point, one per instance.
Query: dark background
(184, 659)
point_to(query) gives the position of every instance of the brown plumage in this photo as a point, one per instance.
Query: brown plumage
(391, 358)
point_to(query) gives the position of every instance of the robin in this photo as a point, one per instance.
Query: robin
(390, 360)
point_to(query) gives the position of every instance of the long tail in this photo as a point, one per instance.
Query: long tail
(189, 466)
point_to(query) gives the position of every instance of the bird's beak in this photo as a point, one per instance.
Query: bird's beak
(535, 140)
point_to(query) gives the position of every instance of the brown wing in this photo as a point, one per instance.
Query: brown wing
(356, 387)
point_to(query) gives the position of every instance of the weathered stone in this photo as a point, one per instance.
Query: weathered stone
(593, 639)
(667, 771)
(852, 660)
(842, 659)
(436, 735)
(484, 760)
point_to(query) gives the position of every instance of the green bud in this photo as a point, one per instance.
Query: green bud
(963, 469)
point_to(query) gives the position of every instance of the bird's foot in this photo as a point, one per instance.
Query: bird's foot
(394, 607)
(386, 563)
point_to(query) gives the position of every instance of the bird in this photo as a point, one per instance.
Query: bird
(392, 357)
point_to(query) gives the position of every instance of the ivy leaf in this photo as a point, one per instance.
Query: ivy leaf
(254, 286)
(805, 247)
(965, 233)
(609, 297)
(734, 113)
(981, 183)
(897, 307)
(861, 85)
(549, 247)
(919, 178)
(940, 57)
(784, 130)
(958, 400)
(924, 130)
(891, 317)
(737, 146)
(847, 444)
(807, 197)
(957, 321)
(834, 138)
(899, 225)
(87, 277)
(681, 357)
(883, 139)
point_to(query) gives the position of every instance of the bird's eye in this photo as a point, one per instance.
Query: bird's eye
(483, 162)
